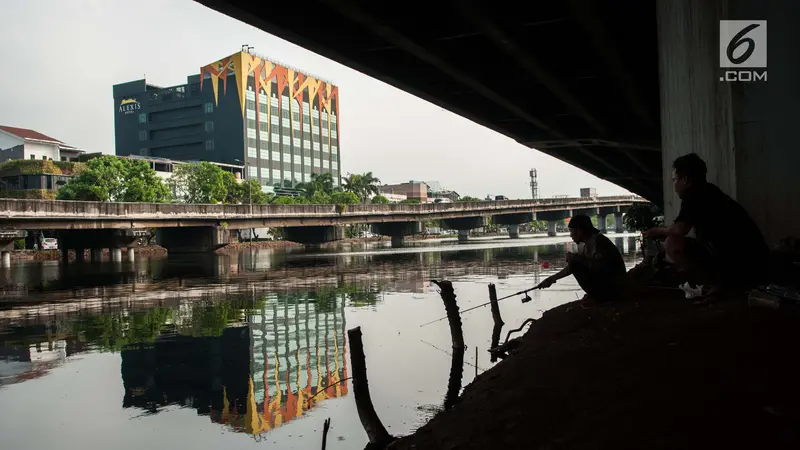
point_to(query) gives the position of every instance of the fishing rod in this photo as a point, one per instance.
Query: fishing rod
(524, 300)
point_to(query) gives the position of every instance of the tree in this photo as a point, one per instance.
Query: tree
(246, 192)
(286, 200)
(380, 200)
(344, 198)
(410, 201)
(199, 183)
(112, 179)
(467, 198)
(362, 185)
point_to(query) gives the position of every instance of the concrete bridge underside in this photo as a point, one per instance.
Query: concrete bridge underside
(618, 95)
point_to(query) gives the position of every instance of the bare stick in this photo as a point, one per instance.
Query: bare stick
(376, 432)
(493, 304)
(325, 432)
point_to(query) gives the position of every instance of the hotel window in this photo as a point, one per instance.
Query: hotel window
(143, 135)
(275, 129)
(296, 116)
(252, 172)
(209, 126)
(251, 124)
(209, 108)
(298, 177)
(276, 138)
(276, 156)
(263, 126)
(250, 95)
(325, 164)
(143, 118)
(317, 162)
(306, 161)
(276, 175)
(33, 156)
(252, 153)
(251, 105)
(334, 157)
(333, 134)
(298, 159)
(251, 142)
(251, 114)
(264, 172)
(264, 154)
(210, 144)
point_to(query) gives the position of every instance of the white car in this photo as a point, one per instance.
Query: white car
(49, 244)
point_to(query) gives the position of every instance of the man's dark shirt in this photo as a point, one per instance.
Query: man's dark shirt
(722, 224)
(599, 254)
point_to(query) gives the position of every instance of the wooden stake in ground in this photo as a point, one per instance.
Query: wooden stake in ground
(494, 306)
(498, 328)
(457, 336)
(325, 432)
(376, 432)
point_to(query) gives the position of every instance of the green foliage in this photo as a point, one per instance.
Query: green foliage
(642, 217)
(32, 194)
(112, 179)
(19, 244)
(344, 198)
(35, 166)
(287, 200)
(538, 225)
(363, 185)
(111, 332)
(246, 192)
(410, 201)
(199, 183)
(320, 185)
(467, 198)
(379, 200)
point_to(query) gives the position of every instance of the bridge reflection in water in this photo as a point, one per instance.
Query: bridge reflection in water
(279, 361)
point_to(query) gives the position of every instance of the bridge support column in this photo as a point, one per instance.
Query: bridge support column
(131, 254)
(551, 227)
(64, 255)
(6, 258)
(116, 254)
(97, 254)
(618, 223)
(397, 231)
(398, 241)
(601, 223)
(314, 235)
(80, 254)
(463, 225)
(513, 231)
(191, 239)
(463, 235)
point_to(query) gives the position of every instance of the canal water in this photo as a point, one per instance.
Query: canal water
(250, 349)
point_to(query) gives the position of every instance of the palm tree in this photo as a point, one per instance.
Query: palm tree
(352, 183)
(369, 185)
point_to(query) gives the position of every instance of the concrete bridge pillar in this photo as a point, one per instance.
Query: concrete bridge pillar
(618, 223)
(64, 254)
(463, 235)
(513, 231)
(97, 254)
(192, 239)
(80, 254)
(398, 241)
(397, 231)
(551, 227)
(116, 254)
(131, 254)
(601, 222)
(6, 258)
(314, 235)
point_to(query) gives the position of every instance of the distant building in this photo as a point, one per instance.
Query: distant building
(449, 195)
(279, 123)
(22, 143)
(434, 186)
(394, 198)
(413, 190)
(588, 192)
(35, 179)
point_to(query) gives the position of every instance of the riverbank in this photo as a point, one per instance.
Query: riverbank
(55, 255)
(659, 372)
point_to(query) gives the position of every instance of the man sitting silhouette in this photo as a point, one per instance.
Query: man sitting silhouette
(727, 251)
(598, 264)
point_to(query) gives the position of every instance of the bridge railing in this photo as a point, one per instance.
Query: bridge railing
(15, 208)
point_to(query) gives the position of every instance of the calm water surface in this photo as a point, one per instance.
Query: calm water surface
(250, 349)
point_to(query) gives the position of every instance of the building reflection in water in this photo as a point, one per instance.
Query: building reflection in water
(280, 360)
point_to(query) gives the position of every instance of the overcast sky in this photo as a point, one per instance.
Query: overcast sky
(62, 58)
